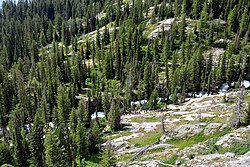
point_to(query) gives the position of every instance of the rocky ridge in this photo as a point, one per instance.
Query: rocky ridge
(206, 117)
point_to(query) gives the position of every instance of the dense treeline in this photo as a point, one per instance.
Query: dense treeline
(51, 82)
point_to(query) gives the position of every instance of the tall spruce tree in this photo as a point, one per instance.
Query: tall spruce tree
(55, 154)
(36, 141)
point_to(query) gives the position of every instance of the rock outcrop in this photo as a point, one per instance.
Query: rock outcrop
(237, 135)
(187, 130)
(211, 128)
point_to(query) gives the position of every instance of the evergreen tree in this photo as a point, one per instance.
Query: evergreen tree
(244, 22)
(63, 104)
(203, 21)
(153, 100)
(108, 156)
(81, 141)
(232, 20)
(20, 153)
(42, 39)
(94, 137)
(5, 153)
(114, 115)
(106, 103)
(55, 154)
(230, 71)
(196, 8)
(147, 80)
(211, 34)
(36, 142)
(84, 114)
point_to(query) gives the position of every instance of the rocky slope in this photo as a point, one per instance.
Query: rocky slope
(197, 133)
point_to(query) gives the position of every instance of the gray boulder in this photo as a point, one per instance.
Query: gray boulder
(238, 135)
(160, 146)
(187, 130)
(230, 155)
(211, 128)
(224, 126)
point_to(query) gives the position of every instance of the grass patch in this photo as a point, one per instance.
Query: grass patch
(247, 98)
(231, 101)
(125, 157)
(146, 139)
(145, 119)
(200, 137)
(172, 159)
(92, 164)
(150, 28)
(239, 148)
(207, 120)
(156, 150)
(117, 135)
(92, 161)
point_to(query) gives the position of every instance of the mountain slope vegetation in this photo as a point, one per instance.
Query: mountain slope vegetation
(64, 61)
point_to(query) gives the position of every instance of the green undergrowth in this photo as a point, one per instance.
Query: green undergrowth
(156, 150)
(141, 119)
(93, 161)
(125, 157)
(247, 98)
(92, 164)
(239, 148)
(146, 139)
(200, 137)
(150, 28)
(171, 160)
(117, 135)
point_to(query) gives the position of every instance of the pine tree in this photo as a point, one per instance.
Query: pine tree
(81, 141)
(114, 115)
(108, 66)
(203, 21)
(73, 120)
(108, 156)
(147, 80)
(94, 137)
(174, 97)
(63, 104)
(244, 22)
(196, 8)
(36, 142)
(20, 153)
(183, 20)
(5, 153)
(83, 113)
(106, 103)
(230, 71)
(42, 39)
(211, 34)
(232, 20)
(223, 68)
(183, 93)
(55, 154)
(153, 100)
(166, 56)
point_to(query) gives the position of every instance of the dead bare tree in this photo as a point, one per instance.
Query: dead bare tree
(239, 108)
(163, 127)
(240, 102)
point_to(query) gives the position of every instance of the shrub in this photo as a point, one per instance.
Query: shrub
(246, 119)
(172, 159)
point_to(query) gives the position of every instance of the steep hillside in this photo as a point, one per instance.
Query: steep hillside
(124, 82)
(197, 132)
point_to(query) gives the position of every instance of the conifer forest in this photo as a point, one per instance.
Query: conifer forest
(76, 74)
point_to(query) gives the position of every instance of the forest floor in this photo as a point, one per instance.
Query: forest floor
(196, 133)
